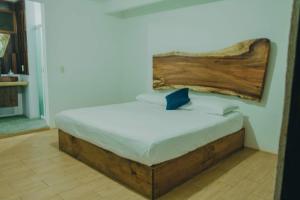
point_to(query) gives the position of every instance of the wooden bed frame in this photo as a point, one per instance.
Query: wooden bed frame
(155, 181)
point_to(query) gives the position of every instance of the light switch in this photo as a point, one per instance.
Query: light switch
(62, 69)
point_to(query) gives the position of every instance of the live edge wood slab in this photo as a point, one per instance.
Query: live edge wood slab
(239, 70)
(155, 181)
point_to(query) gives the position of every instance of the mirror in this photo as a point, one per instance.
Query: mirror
(4, 39)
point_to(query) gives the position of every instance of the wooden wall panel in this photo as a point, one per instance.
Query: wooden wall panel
(16, 53)
(239, 70)
(22, 51)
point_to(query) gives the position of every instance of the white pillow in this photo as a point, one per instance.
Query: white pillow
(207, 104)
(154, 98)
(159, 99)
(212, 105)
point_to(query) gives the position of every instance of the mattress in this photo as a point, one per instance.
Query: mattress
(147, 133)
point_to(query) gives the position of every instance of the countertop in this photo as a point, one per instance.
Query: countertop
(14, 84)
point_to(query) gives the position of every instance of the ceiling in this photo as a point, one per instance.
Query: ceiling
(132, 8)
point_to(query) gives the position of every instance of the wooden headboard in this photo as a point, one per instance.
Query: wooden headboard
(239, 70)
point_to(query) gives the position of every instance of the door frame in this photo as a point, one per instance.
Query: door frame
(43, 61)
(288, 132)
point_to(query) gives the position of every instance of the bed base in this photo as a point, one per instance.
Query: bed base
(155, 181)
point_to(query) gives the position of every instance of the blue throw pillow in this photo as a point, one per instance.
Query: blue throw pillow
(177, 99)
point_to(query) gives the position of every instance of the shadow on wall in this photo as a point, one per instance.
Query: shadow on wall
(250, 135)
(159, 6)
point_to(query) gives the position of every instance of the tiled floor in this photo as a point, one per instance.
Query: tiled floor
(32, 168)
(19, 124)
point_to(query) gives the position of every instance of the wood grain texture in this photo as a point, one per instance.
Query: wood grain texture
(16, 52)
(155, 181)
(14, 84)
(8, 97)
(134, 175)
(239, 70)
(172, 173)
(22, 47)
(8, 21)
(8, 79)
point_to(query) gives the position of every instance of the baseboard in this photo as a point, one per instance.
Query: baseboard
(8, 135)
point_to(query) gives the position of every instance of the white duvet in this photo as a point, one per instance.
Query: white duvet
(147, 133)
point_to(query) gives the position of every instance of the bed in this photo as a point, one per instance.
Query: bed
(145, 132)
(151, 150)
(137, 142)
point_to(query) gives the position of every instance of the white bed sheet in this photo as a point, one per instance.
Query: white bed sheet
(147, 133)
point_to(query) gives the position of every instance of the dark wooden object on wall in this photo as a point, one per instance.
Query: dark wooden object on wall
(8, 79)
(14, 67)
(155, 181)
(8, 97)
(8, 7)
(16, 53)
(7, 21)
(239, 70)
(22, 50)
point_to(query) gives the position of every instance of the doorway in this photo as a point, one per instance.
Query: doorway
(288, 174)
(31, 111)
(36, 48)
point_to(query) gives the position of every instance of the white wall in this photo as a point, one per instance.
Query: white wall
(95, 59)
(31, 101)
(112, 6)
(82, 55)
(211, 27)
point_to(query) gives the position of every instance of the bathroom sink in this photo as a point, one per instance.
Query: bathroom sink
(8, 79)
